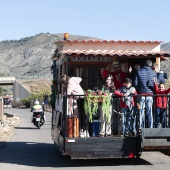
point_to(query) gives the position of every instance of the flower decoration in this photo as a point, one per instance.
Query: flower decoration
(92, 100)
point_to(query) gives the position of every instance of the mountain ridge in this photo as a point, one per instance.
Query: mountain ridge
(32, 55)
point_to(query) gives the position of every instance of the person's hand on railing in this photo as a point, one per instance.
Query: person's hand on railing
(126, 94)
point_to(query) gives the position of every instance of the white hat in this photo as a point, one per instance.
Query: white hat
(115, 64)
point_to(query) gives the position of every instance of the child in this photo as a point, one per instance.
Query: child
(127, 105)
(160, 105)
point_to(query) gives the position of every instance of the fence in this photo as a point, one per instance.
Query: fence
(144, 113)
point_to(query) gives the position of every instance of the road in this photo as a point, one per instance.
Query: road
(32, 149)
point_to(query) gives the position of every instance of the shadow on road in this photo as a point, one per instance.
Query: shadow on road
(46, 155)
(31, 127)
(25, 128)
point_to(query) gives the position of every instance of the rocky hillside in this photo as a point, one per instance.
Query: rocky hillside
(30, 55)
(165, 65)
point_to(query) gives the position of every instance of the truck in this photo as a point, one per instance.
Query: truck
(87, 59)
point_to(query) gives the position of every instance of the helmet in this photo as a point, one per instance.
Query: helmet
(36, 103)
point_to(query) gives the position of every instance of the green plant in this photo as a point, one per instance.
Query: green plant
(55, 81)
(91, 103)
(52, 100)
(27, 101)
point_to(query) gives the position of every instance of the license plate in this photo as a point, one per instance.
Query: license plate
(38, 119)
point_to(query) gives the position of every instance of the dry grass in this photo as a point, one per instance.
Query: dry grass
(38, 86)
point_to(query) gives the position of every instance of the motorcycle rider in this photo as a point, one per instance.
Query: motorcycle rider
(37, 108)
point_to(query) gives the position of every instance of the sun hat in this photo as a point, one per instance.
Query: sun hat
(115, 64)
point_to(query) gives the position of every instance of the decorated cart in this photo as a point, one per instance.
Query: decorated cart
(87, 59)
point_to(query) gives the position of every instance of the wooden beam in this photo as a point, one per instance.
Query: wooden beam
(158, 62)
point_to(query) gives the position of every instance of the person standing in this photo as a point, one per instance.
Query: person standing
(144, 84)
(127, 106)
(132, 71)
(131, 74)
(118, 75)
(74, 88)
(160, 105)
(118, 79)
(106, 121)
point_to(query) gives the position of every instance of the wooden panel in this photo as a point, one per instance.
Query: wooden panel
(155, 132)
(111, 147)
(156, 138)
(156, 142)
(91, 155)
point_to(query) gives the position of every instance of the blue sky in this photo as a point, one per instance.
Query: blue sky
(105, 19)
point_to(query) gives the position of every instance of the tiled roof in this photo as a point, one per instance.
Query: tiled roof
(117, 52)
(105, 41)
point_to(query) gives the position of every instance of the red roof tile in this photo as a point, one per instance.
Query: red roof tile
(116, 52)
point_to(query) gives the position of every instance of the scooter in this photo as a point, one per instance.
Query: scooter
(38, 117)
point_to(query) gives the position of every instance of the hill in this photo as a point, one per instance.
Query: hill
(165, 64)
(30, 55)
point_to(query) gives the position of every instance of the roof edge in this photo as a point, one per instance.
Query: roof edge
(105, 41)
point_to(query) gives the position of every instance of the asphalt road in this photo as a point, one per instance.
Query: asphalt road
(33, 149)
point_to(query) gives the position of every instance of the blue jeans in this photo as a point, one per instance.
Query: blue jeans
(146, 104)
(134, 117)
(160, 117)
(115, 106)
(126, 120)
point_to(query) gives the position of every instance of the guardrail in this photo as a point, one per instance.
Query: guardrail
(12, 78)
(35, 77)
(7, 78)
